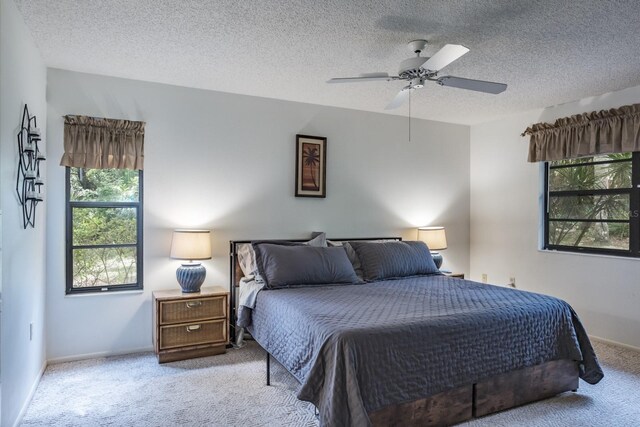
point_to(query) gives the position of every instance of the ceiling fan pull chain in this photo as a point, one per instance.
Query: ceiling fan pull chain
(409, 115)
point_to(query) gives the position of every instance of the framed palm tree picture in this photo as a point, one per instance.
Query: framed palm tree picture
(311, 166)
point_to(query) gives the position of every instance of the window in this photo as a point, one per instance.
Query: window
(593, 205)
(104, 230)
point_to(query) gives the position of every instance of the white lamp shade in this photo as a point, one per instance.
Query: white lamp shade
(434, 237)
(191, 244)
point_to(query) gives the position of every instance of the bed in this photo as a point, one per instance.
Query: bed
(419, 349)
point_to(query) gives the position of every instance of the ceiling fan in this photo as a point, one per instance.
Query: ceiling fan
(420, 69)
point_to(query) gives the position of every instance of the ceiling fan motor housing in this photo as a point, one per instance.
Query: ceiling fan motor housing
(410, 68)
(411, 65)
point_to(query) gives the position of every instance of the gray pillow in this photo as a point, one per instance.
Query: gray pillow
(351, 253)
(247, 257)
(390, 260)
(284, 266)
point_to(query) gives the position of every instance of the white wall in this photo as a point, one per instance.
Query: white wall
(505, 224)
(226, 162)
(22, 80)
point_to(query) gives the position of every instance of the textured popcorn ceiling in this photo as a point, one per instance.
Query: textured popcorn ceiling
(547, 51)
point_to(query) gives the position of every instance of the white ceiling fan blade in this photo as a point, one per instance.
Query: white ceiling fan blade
(370, 77)
(444, 57)
(385, 75)
(399, 99)
(470, 84)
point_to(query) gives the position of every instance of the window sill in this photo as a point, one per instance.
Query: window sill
(581, 254)
(105, 293)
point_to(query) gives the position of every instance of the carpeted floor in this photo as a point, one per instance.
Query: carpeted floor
(229, 390)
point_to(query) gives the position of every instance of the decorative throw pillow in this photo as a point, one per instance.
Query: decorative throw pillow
(390, 260)
(284, 266)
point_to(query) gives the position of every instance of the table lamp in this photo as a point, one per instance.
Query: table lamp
(436, 240)
(191, 245)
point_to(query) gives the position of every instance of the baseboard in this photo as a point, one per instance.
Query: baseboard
(97, 355)
(616, 343)
(32, 392)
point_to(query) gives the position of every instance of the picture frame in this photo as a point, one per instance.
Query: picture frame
(311, 166)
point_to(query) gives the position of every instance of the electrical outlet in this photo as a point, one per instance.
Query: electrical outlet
(484, 277)
(31, 331)
(512, 282)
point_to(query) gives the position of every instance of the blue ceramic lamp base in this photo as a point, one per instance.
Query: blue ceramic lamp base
(191, 277)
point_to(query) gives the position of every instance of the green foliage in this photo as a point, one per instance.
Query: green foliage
(104, 185)
(590, 207)
(589, 177)
(104, 226)
(104, 267)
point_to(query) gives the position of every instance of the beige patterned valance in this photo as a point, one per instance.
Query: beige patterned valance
(97, 143)
(599, 132)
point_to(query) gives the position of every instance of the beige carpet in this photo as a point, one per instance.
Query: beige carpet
(229, 390)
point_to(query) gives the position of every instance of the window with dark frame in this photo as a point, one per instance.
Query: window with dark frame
(592, 205)
(103, 230)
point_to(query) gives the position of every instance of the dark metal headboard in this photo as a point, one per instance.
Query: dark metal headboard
(236, 272)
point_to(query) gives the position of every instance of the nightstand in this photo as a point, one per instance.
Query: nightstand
(190, 325)
(454, 275)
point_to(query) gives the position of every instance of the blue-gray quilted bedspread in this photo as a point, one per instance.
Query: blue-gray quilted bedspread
(358, 348)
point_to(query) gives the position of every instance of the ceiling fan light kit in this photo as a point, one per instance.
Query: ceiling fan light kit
(419, 69)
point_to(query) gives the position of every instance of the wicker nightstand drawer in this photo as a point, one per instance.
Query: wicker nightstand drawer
(209, 332)
(192, 310)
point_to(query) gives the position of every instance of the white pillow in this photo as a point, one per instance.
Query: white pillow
(246, 259)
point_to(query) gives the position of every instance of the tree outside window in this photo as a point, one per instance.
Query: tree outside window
(104, 229)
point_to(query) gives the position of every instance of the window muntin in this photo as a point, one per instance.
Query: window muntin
(592, 205)
(104, 230)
